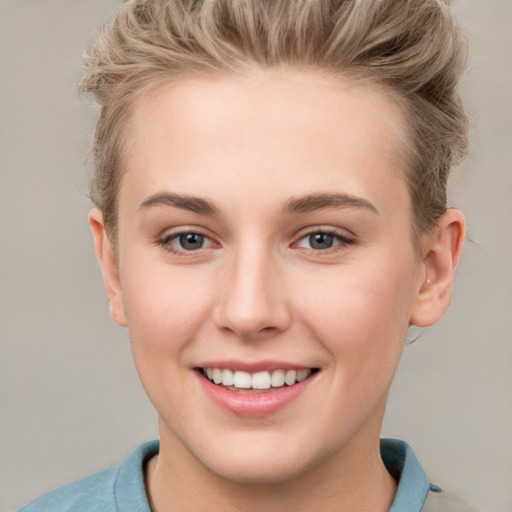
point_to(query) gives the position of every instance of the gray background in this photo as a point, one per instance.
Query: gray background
(70, 402)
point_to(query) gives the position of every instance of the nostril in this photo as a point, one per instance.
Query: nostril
(249, 328)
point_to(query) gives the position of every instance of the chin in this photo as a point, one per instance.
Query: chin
(259, 463)
(258, 472)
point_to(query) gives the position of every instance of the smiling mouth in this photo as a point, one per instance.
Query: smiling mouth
(246, 382)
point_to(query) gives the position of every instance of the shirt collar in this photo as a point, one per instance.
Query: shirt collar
(413, 483)
(398, 457)
(130, 492)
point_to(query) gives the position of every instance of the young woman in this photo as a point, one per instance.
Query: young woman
(270, 190)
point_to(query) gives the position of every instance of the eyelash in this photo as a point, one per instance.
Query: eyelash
(342, 242)
(165, 242)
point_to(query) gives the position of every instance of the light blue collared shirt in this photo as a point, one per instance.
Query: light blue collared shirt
(121, 488)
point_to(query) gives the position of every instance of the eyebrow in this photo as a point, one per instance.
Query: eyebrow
(193, 204)
(301, 204)
(314, 202)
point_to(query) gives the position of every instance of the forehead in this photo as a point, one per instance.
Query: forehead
(290, 130)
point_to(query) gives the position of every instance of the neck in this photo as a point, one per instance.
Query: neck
(354, 479)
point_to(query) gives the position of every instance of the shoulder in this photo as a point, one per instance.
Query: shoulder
(95, 492)
(441, 501)
(117, 489)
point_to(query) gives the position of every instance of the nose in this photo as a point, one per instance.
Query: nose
(252, 297)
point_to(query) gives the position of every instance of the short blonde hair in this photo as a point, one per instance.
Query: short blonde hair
(412, 48)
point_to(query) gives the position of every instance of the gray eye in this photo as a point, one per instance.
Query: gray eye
(321, 241)
(191, 241)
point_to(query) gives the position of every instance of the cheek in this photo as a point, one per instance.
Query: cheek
(165, 307)
(361, 312)
(165, 310)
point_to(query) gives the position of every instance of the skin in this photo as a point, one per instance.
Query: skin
(258, 290)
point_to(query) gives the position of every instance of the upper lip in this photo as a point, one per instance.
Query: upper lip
(253, 366)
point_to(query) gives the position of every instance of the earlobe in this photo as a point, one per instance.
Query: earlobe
(109, 266)
(441, 253)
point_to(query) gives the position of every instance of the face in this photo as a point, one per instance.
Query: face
(265, 236)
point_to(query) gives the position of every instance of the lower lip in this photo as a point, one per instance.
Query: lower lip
(254, 404)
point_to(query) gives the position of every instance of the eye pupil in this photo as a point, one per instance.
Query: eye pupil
(191, 241)
(321, 241)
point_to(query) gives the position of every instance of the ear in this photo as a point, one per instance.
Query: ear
(109, 266)
(441, 251)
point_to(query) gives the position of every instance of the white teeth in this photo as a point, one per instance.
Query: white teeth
(242, 380)
(277, 378)
(302, 375)
(290, 377)
(217, 375)
(227, 378)
(259, 380)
